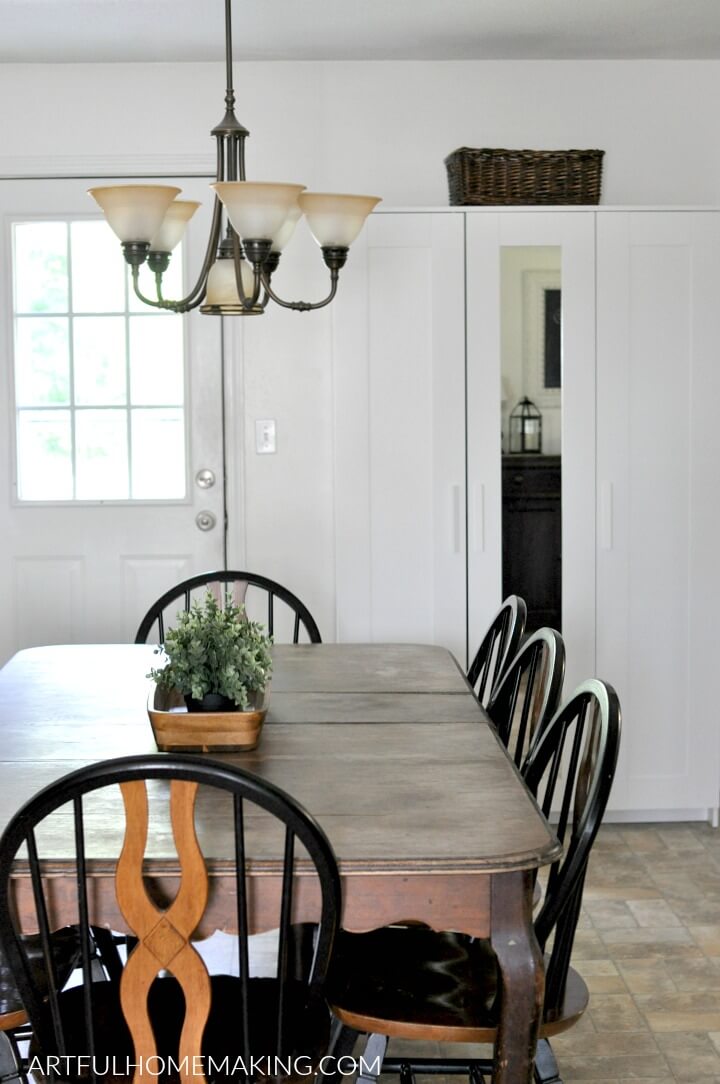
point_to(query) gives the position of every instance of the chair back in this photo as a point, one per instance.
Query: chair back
(570, 769)
(291, 617)
(499, 645)
(166, 1005)
(528, 692)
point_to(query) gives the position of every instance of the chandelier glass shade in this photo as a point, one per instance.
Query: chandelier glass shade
(252, 222)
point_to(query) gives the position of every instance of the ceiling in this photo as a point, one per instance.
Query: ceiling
(168, 30)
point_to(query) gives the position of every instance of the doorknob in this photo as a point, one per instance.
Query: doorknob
(205, 478)
(205, 521)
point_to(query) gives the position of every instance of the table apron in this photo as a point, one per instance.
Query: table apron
(443, 901)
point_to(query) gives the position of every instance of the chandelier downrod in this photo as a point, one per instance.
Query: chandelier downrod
(251, 223)
(229, 92)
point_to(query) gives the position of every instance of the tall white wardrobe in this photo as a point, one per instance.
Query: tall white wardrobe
(416, 391)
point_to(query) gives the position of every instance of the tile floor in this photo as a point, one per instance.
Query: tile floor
(648, 946)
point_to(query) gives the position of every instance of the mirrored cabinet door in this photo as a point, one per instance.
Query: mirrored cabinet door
(531, 421)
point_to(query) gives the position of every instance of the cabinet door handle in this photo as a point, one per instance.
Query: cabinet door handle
(477, 518)
(606, 515)
(455, 495)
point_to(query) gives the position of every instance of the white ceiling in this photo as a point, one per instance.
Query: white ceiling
(165, 30)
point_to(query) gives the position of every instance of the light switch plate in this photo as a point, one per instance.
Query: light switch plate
(265, 436)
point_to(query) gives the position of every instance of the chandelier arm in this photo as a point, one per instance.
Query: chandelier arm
(303, 306)
(185, 305)
(246, 302)
(197, 293)
(160, 303)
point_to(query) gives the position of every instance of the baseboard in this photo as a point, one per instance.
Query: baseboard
(657, 816)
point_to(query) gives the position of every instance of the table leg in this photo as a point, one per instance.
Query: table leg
(521, 973)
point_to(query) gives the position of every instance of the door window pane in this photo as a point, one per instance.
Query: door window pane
(99, 357)
(101, 466)
(44, 455)
(98, 268)
(42, 361)
(99, 378)
(41, 255)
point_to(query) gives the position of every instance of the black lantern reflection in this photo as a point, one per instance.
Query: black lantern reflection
(525, 428)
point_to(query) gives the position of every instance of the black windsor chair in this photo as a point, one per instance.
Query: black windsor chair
(292, 613)
(528, 692)
(413, 983)
(499, 645)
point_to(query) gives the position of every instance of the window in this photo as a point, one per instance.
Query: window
(99, 377)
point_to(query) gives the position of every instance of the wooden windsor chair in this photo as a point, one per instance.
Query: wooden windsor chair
(165, 1004)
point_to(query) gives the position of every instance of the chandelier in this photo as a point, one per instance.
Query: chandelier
(251, 224)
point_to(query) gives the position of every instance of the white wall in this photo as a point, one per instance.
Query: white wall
(380, 126)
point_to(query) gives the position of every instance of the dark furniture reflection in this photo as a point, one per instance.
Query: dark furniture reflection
(531, 536)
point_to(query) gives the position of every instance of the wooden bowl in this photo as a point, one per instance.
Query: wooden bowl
(178, 730)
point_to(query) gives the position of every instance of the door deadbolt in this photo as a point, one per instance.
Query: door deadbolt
(205, 521)
(205, 478)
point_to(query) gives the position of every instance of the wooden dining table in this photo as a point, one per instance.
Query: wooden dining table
(384, 744)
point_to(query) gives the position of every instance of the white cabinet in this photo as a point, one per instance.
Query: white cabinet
(403, 489)
(658, 450)
(399, 433)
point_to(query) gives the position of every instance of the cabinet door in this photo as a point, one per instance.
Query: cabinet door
(658, 455)
(399, 386)
(488, 234)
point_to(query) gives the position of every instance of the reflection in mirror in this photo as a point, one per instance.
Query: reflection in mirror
(531, 352)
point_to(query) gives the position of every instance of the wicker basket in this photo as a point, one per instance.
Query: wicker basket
(488, 176)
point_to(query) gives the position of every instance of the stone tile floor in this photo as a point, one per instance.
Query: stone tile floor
(648, 946)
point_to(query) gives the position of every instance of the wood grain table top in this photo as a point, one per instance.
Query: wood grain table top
(430, 791)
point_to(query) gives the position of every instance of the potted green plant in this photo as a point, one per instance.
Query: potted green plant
(211, 696)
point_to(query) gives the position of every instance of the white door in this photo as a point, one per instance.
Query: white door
(399, 392)
(489, 233)
(108, 412)
(658, 455)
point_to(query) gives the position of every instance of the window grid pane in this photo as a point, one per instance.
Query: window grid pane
(87, 398)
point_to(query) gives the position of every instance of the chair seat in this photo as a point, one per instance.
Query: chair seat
(413, 983)
(306, 1029)
(66, 953)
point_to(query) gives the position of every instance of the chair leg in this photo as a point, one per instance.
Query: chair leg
(11, 1066)
(372, 1059)
(476, 1074)
(546, 1067)
(341, 1045)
